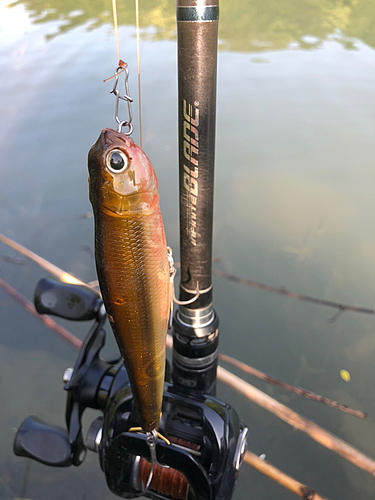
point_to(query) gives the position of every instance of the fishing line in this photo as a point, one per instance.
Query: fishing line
(114, 10)
(115, 23)
(139, 70)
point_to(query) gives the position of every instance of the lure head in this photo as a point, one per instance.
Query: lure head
(122, 179)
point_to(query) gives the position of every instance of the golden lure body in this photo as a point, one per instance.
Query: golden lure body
(132, 263)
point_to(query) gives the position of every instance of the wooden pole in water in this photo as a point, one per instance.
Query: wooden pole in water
(47, 320)
(292, 418)
(297, 390)
(51, 268)
(317, 433)
(280, 477)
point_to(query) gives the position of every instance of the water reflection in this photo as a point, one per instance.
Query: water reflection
(294, 206)
(245, 25)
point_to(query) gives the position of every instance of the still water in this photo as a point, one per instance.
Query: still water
(294, 207)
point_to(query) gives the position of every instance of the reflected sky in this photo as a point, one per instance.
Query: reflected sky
(311, 158)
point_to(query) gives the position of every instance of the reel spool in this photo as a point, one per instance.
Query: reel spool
(169, 482)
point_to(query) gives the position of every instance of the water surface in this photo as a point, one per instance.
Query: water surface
(294, 205)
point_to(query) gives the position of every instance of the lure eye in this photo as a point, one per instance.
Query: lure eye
(117, 161)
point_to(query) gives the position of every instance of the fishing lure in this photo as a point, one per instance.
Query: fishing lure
(132, 263)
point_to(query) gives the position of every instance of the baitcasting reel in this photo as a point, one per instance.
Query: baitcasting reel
(207, 440)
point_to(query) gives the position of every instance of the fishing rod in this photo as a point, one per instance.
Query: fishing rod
(198, 446)
(196, 333)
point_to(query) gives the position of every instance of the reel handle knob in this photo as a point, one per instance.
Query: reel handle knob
(75, 302)
(44, 443)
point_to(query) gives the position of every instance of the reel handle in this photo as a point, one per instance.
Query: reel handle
(44, 443)
(74, 302)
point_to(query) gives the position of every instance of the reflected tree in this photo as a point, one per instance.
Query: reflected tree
(245, 25)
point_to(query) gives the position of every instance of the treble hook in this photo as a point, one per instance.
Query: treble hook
(151, 440)
(122, 68)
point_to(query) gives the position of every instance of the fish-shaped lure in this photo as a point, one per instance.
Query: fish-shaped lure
(132, 263)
